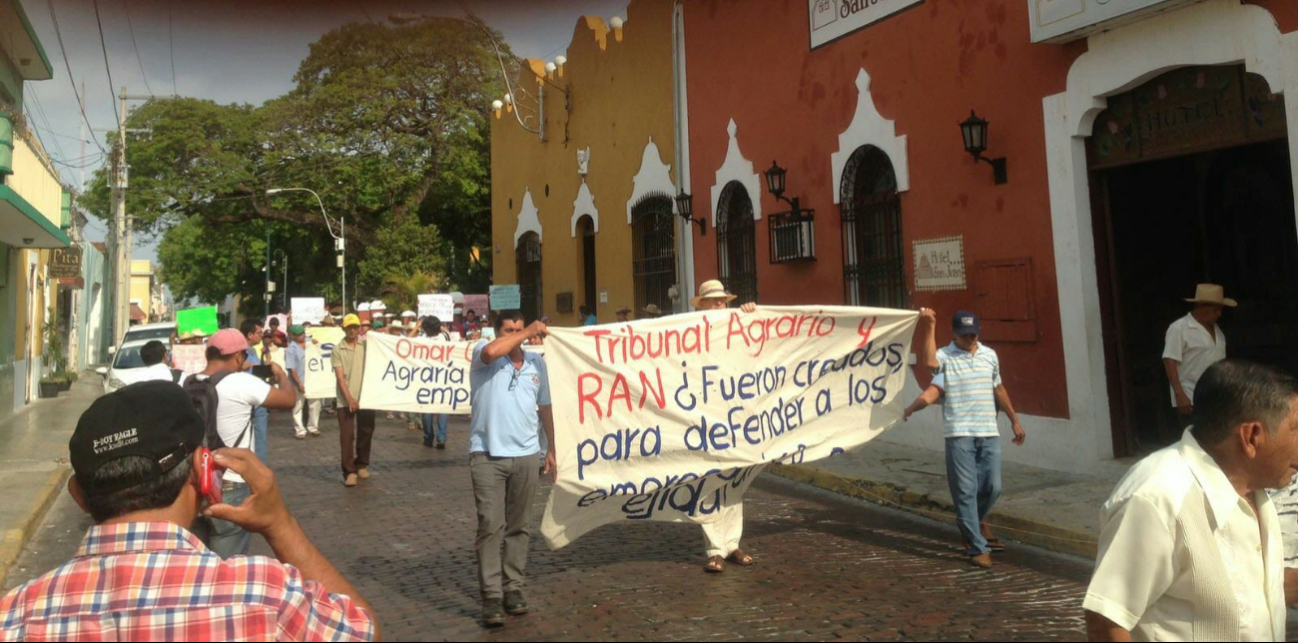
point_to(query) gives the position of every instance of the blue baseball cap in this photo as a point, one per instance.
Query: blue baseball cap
(966, 323)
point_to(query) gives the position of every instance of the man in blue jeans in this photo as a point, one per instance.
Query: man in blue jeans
(968, 374)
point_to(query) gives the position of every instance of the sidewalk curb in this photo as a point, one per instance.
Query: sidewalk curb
(13, 541)
(1026, 530)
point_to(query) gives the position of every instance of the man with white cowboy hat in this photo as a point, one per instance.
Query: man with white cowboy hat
(1194, 343)
(651, 312)
(722, 537)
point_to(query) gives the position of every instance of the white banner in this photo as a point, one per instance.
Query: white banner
(440, 306)
(671, 419)
(416, 375)
(308, 310)
(833, 19)
(321, 383)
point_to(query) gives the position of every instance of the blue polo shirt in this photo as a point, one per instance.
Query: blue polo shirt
(504, 421)
(969, 381)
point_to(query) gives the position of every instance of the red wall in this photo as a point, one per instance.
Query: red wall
(929, 66)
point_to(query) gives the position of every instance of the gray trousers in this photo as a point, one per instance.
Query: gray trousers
(503, 489)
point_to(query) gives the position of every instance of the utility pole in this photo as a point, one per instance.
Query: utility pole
(122, 223)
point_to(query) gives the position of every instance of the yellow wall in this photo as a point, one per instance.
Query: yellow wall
(621, 95)
(35, 180)
(142, 285)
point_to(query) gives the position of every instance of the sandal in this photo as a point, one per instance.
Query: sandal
(715, 565)
(738, 557)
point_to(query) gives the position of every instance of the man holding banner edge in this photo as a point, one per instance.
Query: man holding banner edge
(510, 398)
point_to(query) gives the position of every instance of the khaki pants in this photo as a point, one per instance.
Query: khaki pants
(722, 537)
(503, 489)
(313, 411)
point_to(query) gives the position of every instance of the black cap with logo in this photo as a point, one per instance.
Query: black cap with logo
(153, 420)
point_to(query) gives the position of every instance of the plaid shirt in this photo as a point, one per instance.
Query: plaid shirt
(156, 582)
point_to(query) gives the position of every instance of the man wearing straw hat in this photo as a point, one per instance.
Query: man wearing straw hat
(1194, 343)
(722, 537)
(651, 312)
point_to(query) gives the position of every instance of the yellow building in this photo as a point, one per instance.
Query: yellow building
(583, 179)
(34, 218)
(144, 289)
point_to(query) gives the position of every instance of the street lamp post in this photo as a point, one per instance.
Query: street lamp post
(340, 238)
(280, 255)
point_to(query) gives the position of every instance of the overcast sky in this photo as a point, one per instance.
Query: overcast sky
(229, 51)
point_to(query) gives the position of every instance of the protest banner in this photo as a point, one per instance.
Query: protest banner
(671, 419)
(204, 319)
(477, 303)
(440, 306)
(308, 310)
(416, 375)
(189, 358)
(504, 298)
(320, 380)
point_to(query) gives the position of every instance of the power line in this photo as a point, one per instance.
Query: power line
(40, 109)
(171, 47)
(136, 45)
(80, 103)
(108, 68)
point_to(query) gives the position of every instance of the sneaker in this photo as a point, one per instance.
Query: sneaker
(315, 432)
(300, 436)
(441, 445)
(515, 604)
(364, 474)
(981, 560)
(351, 480)
(493, 615)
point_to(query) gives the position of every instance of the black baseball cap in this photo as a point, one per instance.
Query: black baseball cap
(966, 323)
(154, 420)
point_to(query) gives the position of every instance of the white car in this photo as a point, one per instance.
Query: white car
(127, 367)
(145, 332)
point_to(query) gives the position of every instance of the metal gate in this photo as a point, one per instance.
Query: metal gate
(528, 261)
(654, 248)
(737, 243)
(874, 270)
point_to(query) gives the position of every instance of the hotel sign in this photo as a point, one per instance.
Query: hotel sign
(833, 19)
(1059, 21)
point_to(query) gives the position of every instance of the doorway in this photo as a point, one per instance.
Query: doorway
(1190, 184)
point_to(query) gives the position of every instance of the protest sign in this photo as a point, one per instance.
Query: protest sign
(320, 380)
(204, 319)
(504, 298)
(671, 419)
(440, 306)
(477, 303)
(308, 310)
(283, 322)
(189, 358)
(416, 375)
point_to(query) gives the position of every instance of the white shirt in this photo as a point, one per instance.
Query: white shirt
(1144, 579)
(1193, 347)
(238, 395)
(156, 373)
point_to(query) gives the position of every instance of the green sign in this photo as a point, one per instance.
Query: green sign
(203, 319)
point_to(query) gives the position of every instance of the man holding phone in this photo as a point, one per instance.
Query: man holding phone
(135, 457)
(239, 395)
(355, 427)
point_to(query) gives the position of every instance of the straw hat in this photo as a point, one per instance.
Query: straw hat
(652, 309)
(624, 311)
(1212, 294)
(712, 289)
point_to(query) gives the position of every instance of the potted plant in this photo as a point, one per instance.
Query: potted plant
(52, 358)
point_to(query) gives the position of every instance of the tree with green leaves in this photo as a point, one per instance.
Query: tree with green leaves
(388, 124)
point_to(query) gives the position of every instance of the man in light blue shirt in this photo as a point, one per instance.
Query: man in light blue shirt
(968, 377)
(511, 405)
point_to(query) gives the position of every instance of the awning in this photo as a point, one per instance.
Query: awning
(23, 227)
(137, 314)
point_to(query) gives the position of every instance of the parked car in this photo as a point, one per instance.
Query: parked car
(126, 366)
(146, 332)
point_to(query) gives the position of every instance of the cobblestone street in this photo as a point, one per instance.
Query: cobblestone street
(827, 567)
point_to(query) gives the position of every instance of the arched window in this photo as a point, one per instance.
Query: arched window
(737, 243)
(654, 246)
(528, 262)
(874, 269)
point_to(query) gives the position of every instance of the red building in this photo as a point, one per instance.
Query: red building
(1143, 152)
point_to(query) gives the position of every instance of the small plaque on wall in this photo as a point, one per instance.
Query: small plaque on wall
(563, 302)
(939, 264)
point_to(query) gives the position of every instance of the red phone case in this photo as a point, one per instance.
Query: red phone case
(211, 477)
